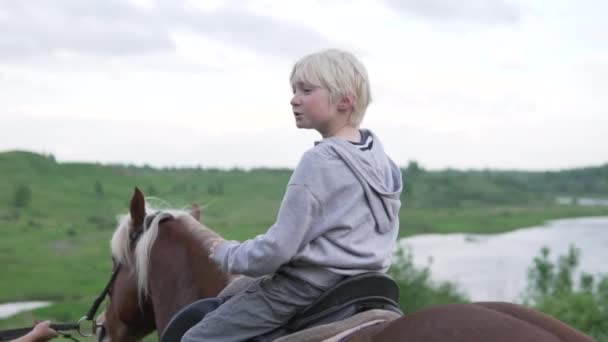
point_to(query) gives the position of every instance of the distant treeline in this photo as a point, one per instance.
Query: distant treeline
(473, 188)
(447, 188)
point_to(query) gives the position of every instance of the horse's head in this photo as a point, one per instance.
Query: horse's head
(130, 312)
(127, 315)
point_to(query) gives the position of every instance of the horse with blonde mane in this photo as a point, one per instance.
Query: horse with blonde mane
(162, 266)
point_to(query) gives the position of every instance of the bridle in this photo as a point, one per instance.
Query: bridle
(62, 328)
(134, 235)
(133, 238)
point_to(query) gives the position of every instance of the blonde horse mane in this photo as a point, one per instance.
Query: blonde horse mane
(140, 260)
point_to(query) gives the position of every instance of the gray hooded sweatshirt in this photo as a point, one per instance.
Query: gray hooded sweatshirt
(339, 217)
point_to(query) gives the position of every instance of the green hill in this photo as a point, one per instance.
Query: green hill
(56, 219)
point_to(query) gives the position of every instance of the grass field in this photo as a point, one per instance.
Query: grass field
(56, 232)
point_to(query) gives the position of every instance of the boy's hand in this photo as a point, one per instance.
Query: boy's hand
(214, 246)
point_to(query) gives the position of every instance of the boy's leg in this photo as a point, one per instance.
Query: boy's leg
(266, 305)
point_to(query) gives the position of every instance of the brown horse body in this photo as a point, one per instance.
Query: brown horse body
(180, 272)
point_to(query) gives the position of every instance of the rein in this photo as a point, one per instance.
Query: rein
(62, 328)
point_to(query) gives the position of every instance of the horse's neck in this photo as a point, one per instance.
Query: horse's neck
(181, 272)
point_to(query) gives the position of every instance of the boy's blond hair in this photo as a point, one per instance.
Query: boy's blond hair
(341, 73)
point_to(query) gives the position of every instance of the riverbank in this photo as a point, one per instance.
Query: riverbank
(488, 219)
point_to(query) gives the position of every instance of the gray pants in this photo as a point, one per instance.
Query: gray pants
(265, 305)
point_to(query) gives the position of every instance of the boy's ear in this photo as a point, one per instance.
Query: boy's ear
(347, 102)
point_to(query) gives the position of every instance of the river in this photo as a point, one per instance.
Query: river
(10, 309)
(494, 267)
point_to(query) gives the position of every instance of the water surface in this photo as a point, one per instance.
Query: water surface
(494, 267)
(11, 309)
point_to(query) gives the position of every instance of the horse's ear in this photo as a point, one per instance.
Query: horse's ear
(196, 212)
(138, 208)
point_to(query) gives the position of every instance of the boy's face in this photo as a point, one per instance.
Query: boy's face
(312, 108)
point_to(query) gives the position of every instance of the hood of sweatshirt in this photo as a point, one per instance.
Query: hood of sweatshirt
(379, 176)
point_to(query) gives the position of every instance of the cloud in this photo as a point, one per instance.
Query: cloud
(596, 65)
(243, 29)
(39, 30)
(594, 70)
(32, 29)
(494, 12)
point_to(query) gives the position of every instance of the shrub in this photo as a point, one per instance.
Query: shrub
(416, 290)
(552, 289)
(99, 191)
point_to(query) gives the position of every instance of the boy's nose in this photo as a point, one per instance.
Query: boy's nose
(295, 101)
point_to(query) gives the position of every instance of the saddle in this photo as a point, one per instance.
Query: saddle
(351, 296)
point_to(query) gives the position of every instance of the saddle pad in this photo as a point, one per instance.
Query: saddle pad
(323, 332)
(341, 336)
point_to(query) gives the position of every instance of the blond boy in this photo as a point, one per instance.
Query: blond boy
(338, 218)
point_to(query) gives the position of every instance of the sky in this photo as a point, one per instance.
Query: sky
(469, 84)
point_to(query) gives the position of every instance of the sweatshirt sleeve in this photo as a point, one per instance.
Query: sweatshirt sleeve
(267, 252)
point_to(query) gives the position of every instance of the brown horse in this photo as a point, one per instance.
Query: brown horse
(165, 267)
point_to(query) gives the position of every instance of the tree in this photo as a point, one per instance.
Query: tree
(99, 189)
(413, 168)
(23, 196)
(216, 189)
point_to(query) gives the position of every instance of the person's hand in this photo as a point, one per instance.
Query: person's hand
(214, 245)
(42, 332)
